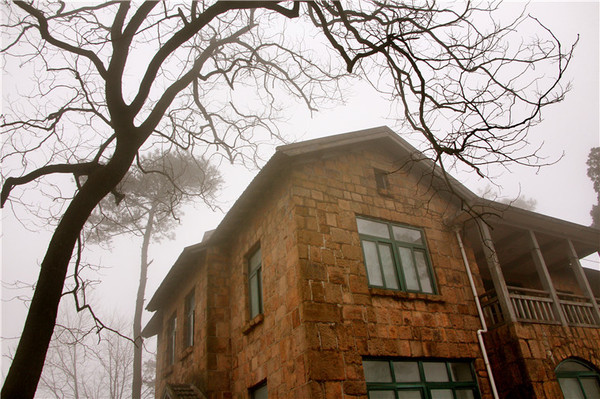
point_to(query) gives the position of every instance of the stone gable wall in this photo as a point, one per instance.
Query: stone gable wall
(346, 320)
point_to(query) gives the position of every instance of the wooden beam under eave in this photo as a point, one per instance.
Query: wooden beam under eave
(496, 272)
(582, 280)
(544, 275)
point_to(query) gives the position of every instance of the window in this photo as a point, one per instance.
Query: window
(255, 283)
(259, 391)
(578, 380)
(190, 307)
(396, 256)
(419, 379)
(381, 179)
(171, 333)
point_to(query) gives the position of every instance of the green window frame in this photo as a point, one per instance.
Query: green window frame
(396, 256)
(171, 339)
(255, 296)
(189, 308)
(420, 379)
(578, 380)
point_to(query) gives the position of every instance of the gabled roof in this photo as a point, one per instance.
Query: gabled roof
(385, 139)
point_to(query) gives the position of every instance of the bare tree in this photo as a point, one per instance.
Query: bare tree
(113, 79)
(155, 194)
(82, 364)
(149, 378)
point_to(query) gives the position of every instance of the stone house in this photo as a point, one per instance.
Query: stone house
(351, 268)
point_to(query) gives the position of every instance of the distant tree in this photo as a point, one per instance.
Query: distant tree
(593, 172)
(149, 380)
(81, 364)
(520, 201)
(112, 79)
(156, 190)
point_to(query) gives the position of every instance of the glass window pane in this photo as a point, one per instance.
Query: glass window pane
(407, 235)
(372, 263)
(570, 388)
(254, 261)
(260, 393)
(410, 276)
(591, 387)
(464, 394)
(377, 371)
(409, 395)
(407, 372)
(441, 394)
(423, 272)
(435, 372)
(461, 372)
(381, 395)
(387, 262)
(372, 228)
(571, 365)
(254, 297)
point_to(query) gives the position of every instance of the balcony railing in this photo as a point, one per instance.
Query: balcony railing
(578, 310)
(536, 306)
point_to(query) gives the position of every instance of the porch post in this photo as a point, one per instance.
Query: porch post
(582, 280)
(496, 272)
(542, 272)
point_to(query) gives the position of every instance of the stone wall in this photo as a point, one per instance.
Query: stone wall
(190, 363)
(346, 320)
(321, 318)
(270, 345)
(524, 356)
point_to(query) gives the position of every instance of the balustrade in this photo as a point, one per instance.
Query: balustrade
(535, 306)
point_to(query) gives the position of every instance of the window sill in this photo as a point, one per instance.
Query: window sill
(405, 295)
(250, 325)
(186, 352)
(385, 192)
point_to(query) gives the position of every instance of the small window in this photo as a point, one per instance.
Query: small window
(381, 179)
(396, 256)
(190, 307)
(259, 391)
(578, 380)
(420, 379)
(171, 334)
(255, 283)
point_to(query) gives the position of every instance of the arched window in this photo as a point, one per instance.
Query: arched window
(578, 380)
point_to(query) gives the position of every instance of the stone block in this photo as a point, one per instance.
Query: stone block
(324, 312)
(325, 366)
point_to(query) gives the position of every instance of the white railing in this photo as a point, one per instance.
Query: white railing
(536, 306)
(532, 306)
(578, 310)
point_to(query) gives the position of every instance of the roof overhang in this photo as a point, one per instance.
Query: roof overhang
(181, 269)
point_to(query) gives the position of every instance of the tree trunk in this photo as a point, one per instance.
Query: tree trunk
(136, 385)
(26, 368)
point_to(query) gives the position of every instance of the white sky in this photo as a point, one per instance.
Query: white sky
(562, 190)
